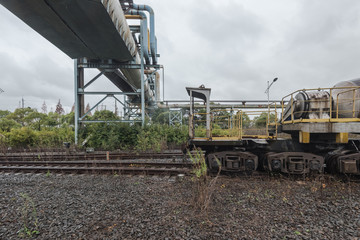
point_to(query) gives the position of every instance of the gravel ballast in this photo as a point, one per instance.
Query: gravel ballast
(156, 207)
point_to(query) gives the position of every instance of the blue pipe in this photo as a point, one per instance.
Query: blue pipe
(153, 44)
(144, 33)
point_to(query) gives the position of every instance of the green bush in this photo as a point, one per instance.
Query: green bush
(111, 136)
(22, 137)
(54, 138)
(7, 124)
(177, 135)
(29, 128)
(148, 139)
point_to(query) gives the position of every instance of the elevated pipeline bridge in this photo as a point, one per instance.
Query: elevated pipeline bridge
(96, 34)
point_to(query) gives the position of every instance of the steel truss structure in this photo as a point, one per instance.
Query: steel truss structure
(175, 117)
(134, 111)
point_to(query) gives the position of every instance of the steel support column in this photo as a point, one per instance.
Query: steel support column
(79, 98)
(142, 84)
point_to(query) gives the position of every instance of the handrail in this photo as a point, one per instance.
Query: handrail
(229, 124)
(329, 101)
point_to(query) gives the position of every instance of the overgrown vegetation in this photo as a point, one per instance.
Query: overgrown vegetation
(28, 128)
(153, 137)
(204, 186)
(29, 218)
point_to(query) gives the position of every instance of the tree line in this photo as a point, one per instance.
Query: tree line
(28, 128)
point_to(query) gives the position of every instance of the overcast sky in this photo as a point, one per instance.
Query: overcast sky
(231, 46)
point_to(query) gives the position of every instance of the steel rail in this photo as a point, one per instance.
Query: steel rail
(149, 168)
(87, 156)
(104, 163)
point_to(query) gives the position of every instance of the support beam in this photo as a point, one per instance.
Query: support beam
(111, 93)
(79, 98)
(142, 84)
(94, 79)
(83, 116)
(119, 65)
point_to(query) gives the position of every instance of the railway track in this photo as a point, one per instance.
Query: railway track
(96, 167)
(74, 156)
(137, 167)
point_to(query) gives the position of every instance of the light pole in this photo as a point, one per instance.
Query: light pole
(267, 91)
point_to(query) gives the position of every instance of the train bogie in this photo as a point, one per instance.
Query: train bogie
(232, 161)
(294, 162)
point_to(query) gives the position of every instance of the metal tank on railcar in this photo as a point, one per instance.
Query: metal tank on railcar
(346, 99)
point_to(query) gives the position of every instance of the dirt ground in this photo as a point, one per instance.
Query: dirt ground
(50, 206)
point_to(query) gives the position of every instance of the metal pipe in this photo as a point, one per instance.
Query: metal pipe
(153, 44)
(157, 86)
(243, 102)
(110, 121)
(222, 106)
(142, 84)
(144, 34)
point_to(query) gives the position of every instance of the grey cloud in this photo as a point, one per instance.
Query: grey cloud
(226, 27)
(216, 48)
(319, 48)
(229, 46)
(41, 81)
(319, 22)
